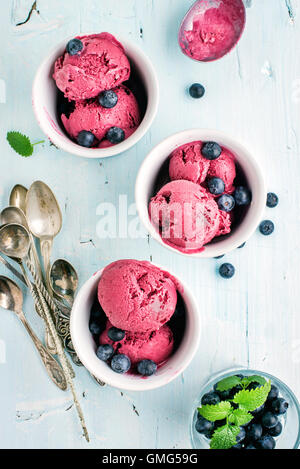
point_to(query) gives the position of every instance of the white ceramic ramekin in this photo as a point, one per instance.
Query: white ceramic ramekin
(86, 348)
(152, 164)
(44, 101)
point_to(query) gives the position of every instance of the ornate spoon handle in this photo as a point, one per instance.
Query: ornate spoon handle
(53, 369)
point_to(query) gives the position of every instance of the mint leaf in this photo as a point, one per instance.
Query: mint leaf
(254, 398)
(21, 143)
(224, 437)
(240, 417)
(253, 379)
(228, 383)
(215, 412)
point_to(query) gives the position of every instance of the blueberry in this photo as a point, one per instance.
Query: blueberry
(74, 46)
(272, 200)
(269, 420)
(85, 138)
(273, 394)
(227, 270)
(203, 425)
(115, 334)
(226, 202)
(250, 446)
(120, 363)
(108, 99)
(95, 327)
(105, 352)
(242, 245)
(254, 431)
(241, 436)
(266, 442)
(196, 90)
(242, 196)
(266, 227)
(279, 406)
(97, 312)
(210, 398)
(211, 150)
(216, 186)
(237, 446)
(224, 395)
(253, 386)
(115, 135)
(275, 431)
(258, 412)
(146, 367)
(219, 257)
(220, 423)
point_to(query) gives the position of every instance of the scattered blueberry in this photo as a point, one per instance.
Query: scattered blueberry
(273, 394)
(279, 406)
(266, 442)
(241, 436)
(226, 202)
(227, 270)
(146, 367)
(120, 363)
(210, 398)
(242, 245)
(254, 431)
(275, 431)
(105, 352)
(74, 46)
(272, 200)
(108, 99)
(115, 135)
(115, 334)
(196, 90)
(216, 186)
(242, 196)
(266, 227)
(269, 420)
(203, 425)
(85, 138)
(211, 150)
(219, 257)
(95, 327)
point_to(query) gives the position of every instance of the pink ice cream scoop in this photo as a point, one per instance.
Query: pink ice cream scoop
(100, 65)
(137, 296)
(186, 216)
(91, 116)
(156, 345)
(224, 168)
(187, 162)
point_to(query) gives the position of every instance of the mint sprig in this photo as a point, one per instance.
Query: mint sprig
(228, 383)
(240, 417)
(21, 143)
(225, 437)
(252, 399)
(215, 412)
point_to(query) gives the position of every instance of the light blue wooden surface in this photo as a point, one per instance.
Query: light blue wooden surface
(253, 94)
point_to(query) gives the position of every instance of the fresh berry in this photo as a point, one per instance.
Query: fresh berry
(211, 150)
(242, 196)
(219, 257)
(216, 186)
(203, 425)
(227, 270)
(224, 395)
(105, 352)
(265, 442)
(241, 436)
(279, 406)
(210, 398)
(120, 363)
(95, 327)
(97, 312)
(254, 431)
(273, 394)
(108, 99)
(115, 135)
(196, 90)
(259, 411)
(242, 245)
(269, 420)
(74, 46)
(226, 202)
(275, 431)
(250, 446)
(115, 334)
(85, 138)
(237, 446)
(253, 386)
(146, 367)
(266, 227)
(272, 200)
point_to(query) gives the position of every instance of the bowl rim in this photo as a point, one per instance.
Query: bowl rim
(174, 141)
(66, 144)
(139, 384)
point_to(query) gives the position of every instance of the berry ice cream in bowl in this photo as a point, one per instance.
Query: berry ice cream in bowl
(135, 326)
(95, 96)
(245, 409)
(200, 193)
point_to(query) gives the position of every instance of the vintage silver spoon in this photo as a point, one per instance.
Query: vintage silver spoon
(63, 280)
(17, 197)
(11, 298)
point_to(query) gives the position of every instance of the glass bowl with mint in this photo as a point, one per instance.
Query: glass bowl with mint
(245, 409)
